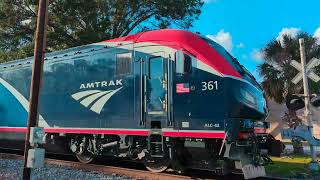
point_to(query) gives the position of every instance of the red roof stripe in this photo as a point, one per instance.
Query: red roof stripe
(188, 41)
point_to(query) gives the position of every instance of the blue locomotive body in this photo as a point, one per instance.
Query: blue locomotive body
(133, 93)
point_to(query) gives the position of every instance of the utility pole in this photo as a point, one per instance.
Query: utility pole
(39, 50)
(314, 164)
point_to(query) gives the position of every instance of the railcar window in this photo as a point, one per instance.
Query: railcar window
(123, 63)
(187, 64)
(155, 67)
(184, 66)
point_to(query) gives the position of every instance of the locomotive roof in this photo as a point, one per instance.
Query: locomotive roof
(193, 44)
(51, 55)
(188, 42)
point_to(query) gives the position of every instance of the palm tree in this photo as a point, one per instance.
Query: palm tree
(277, 72)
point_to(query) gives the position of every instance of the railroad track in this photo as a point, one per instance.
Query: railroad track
(134, 173)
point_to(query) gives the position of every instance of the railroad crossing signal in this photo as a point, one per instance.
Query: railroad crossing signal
(311, 64)
(305, 72)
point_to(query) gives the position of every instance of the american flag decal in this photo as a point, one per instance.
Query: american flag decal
(182, 88)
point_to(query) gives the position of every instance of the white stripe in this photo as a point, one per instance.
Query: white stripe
(82, 94)
(204, 67)
(22, 100)
(88, 100)
(155, 112)
(97, 106)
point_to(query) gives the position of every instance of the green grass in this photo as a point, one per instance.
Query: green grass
(290, 167)
(288, 142)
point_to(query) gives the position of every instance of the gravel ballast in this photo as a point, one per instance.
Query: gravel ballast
(12, 170)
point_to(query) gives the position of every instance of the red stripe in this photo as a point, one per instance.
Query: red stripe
(13, 129)
(98, 131)
(195, 134)
(142, 132)
(81, 131)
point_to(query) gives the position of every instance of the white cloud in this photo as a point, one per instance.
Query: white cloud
(257, 55)
(292, 31)
(223, 38)
(317, 34)
(240, 45)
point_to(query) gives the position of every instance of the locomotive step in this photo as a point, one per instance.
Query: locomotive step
(156, 142)
(157, 156)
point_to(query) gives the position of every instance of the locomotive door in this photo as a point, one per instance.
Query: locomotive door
(156, 91)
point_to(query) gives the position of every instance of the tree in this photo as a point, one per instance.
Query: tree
(277, 72)
(74, 23)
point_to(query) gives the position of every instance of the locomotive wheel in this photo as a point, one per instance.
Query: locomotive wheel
(82, 147)
(86, 157)
(158, 165)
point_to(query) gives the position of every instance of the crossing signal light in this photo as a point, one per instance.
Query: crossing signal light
(315, 101)
(294, 102)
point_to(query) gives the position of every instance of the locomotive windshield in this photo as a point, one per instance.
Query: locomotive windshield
(233, 61)
(225, 54)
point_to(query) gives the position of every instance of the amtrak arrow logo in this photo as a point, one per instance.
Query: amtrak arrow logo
(87, 98)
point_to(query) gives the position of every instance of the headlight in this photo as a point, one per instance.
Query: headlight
(249, 98)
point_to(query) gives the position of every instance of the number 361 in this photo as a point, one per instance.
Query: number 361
(209, 86)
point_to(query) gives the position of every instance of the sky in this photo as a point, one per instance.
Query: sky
(244, 27)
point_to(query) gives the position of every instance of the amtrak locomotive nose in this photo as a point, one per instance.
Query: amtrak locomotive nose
(164, 98)
(245, 94)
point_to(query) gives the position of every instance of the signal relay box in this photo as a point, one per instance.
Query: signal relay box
(35, 158)
(37, 135)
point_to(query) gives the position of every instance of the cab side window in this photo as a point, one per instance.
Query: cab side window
(183, 63)
(123, 63)
(187, 64)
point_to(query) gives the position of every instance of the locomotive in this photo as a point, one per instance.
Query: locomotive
(164, 97)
